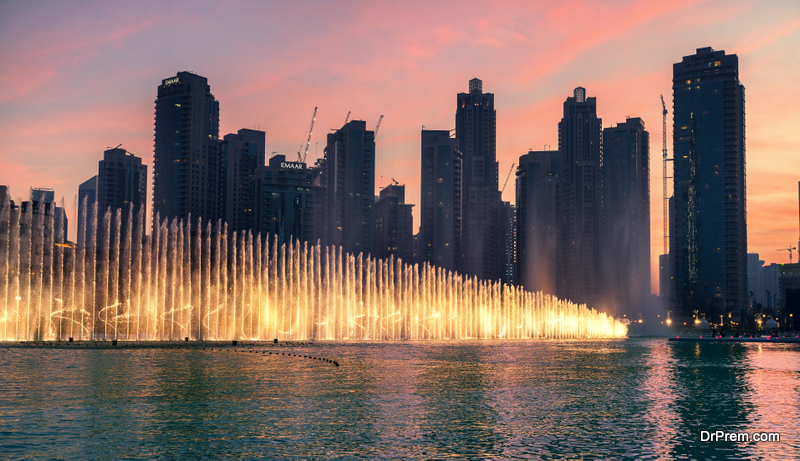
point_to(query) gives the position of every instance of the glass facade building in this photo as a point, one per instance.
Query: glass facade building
(708, 248)
(187, 167)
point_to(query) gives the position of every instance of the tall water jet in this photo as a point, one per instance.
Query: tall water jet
(193, 279)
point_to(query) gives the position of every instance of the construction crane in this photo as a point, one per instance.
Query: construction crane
(302, 156)
(790, 249)
(508, 177)
(378, 125)
(347, 119)
(665, 203)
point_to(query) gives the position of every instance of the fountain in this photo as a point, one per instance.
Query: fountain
(194, 279)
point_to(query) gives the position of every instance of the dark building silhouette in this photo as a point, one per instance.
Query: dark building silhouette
(581, 249)
(187, 167)
(709, 248)
(319, 220)
(283, 200)
(476, 131)
(121, 182)
(87, 197)
(43, 201)
(242, 153)
(394, 227)
(538, 189)
(350, 187)
(507, 243)
(440, 200)
(626, 215)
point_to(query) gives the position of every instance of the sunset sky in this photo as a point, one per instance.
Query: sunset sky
(79, 77)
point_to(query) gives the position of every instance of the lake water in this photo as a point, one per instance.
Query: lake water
(488, 399)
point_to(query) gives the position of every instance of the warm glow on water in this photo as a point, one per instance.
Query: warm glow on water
(621, 398)
(189, 281)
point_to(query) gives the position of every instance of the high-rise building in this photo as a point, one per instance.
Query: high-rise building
(709, 254)
(187, 167)
(581, 199)
(283, 200)
(44, 201)
(440, 200)
(538, 188)
(476, 131)
(87, 197)
(507, 243)
(242, 153)
(394, 227)
(121, 182)
(626, 215)
(43, 195)
(319, 204)
(350, 194)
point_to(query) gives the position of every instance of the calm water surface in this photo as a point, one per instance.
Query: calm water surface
(548, 399)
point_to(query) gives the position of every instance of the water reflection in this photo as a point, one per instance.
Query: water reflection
(773, 378)
(573, 399)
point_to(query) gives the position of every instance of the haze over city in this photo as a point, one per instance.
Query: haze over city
(80, 78)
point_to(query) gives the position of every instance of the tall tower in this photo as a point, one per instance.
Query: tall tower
(242, 153)
(394, 234)
(187, 171)
(121, 185)
(121, 182)
(507, 243)
(538, 192)
(440, 200)
(87, 197)
(582, 239)
(710, 246)
(626, 215)
(476, 131)
(283, 197)
(350, 162)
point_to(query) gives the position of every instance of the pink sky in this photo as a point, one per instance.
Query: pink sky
(80, 77)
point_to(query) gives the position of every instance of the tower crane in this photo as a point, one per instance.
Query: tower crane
(665, 205)
(790, 249)
(508, 177)
(378, 125)
(302, 153)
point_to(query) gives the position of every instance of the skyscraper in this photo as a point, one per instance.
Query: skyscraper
(44, 201)
(538, 193)
(350, 194)
(582, 189)
(394, 233)
(476, 131)
(440, 197)
(709, 254)
(121, 182)
(626, 214)
(187, 170)
(282, 205)
(121, 185)
(87, 197)
(507, 243)
(242, 153)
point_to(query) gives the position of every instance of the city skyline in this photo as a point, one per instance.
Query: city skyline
(64, 105)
